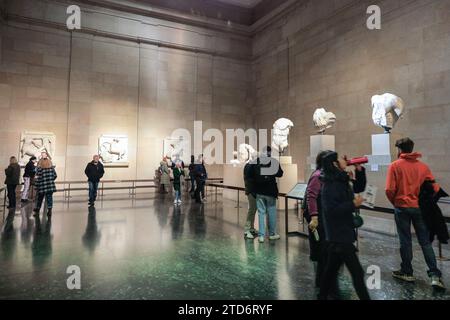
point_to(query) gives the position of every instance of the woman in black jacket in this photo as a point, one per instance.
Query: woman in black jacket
(12, 180)
(338, 205)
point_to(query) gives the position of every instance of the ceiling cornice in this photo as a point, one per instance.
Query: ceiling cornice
(203, 22)
(250, 5)
(115, 36)
(169, 15)
(275, 15)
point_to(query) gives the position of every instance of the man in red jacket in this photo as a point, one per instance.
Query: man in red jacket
(404, 179)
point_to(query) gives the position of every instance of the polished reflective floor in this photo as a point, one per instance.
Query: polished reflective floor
(144, 248)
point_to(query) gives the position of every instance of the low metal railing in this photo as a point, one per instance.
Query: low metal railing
(68, 186)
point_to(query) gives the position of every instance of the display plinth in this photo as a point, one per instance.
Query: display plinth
(286, 183)
(320, 143)
(285, 160)
(383, 149)
(383, 153)
(234, 176)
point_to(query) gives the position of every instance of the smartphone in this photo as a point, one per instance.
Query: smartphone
(316, 235)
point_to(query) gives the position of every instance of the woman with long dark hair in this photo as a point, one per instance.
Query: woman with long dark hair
(338, 206)
(312, 212)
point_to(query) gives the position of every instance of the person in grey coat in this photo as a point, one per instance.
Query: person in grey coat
(165, 176)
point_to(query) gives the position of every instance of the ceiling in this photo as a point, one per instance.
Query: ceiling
(244, 12)
(242, 3)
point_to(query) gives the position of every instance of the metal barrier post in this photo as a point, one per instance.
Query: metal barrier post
(286, 212)
(68, 194)
(238, 200)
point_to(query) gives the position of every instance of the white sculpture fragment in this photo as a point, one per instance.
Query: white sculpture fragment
(246, 153)
(323, 120)
(387, 110)
(113, 149)
(280, 134)
(235, 162)
(34, 143)
(177, 149)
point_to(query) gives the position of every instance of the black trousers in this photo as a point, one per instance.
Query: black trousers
(338, 254)
(317, 249)
(318, 253)
(11, 195)
(199, 190)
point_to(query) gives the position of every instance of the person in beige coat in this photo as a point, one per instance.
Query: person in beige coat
(165, 176)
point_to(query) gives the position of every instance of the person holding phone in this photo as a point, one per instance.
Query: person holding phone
(312, 213)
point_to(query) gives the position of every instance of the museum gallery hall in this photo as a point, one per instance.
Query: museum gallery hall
(224, 150)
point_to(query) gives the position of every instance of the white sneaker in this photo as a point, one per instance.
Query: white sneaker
(248, 235)
(175, 202)
(275, 237)
(437, 283)
(261, 239)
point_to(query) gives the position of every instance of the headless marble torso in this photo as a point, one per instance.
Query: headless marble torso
(281, 129)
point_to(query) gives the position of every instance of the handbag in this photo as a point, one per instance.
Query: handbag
(358, 221)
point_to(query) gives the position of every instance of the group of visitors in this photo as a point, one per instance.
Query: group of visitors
(197, 174)
(40, 173)
(329, 207)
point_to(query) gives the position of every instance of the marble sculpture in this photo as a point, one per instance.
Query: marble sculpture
(34, 143)
(280, 134)
(323, 120)
(387, 110)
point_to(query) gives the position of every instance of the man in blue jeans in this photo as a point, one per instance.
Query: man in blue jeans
(404, 180)
(264, 173)
(94, 171)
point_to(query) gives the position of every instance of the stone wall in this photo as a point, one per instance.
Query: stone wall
(83, 85)
(322, 54)
(129, 73)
